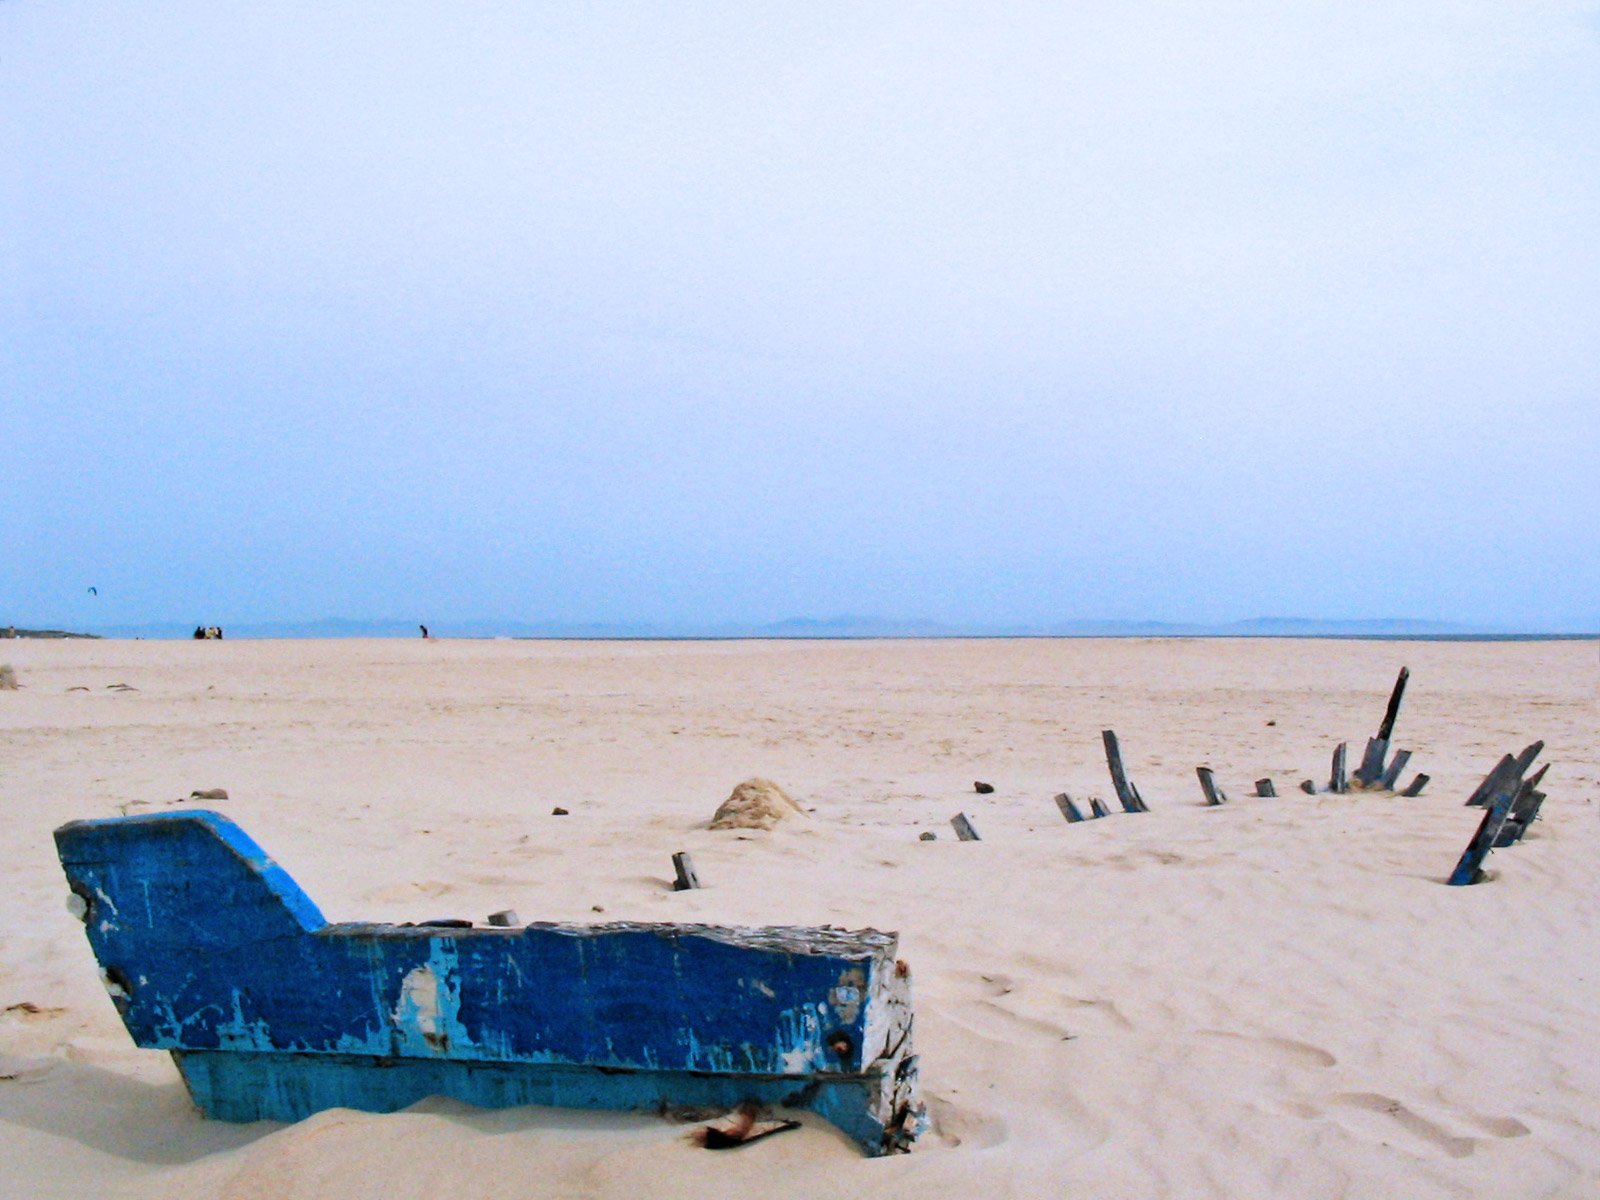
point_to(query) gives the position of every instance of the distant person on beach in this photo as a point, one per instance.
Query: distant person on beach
(424, 629)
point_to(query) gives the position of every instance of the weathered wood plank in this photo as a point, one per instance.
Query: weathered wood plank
(1208, 786)
(1069, 810)
(1414, 788)
(1097, 807)
(1371, 768)
(963, 827)
(1338, 781)
(1391, 773)
(213, 952)
(1264, 787)
(1469, 869)
(1386, 730)
(1127, 795)
(687, 880)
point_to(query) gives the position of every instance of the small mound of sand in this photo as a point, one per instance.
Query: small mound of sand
(755, 804)
(8, 679)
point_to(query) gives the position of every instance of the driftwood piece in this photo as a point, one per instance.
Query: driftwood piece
(1097, 807)
(1338, 781)
(1391, 773)
(964, 829)
(982, 788)
(1127, 795)
(1308, 787)
(1208, 785)
(1414, 788)
(1264, 787)
(1069, 810)
(211, 951)
(683, 866)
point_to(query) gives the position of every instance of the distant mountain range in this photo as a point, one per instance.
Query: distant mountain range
(838, 627)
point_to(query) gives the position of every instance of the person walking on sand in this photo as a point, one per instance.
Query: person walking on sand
(424, 629)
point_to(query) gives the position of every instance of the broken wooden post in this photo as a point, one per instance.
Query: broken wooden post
(1506, 769)
(1264, 787)
(1308, 787)
(1127, 794)
(964, 829)
(504, 919)
(1414, 788)
(1098, 807)
(982, 788)
(1386, 730)
(1391, 773)
(211, 951)
(1337, 780)
(1524, 809)
(1371, 766)
(687, 880)
(1208, 784)
(1069, 810)
(1469, 869)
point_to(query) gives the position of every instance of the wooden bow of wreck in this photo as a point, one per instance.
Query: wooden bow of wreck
(211, 951)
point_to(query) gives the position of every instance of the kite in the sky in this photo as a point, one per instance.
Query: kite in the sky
(94, 591)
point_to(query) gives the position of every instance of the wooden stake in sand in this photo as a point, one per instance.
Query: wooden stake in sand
(1069, 810)
(1338, 781)
(687, 879)
(1414, 788)
(964, 829)
(1127, 794)
(1264, 788)
(1208, 784)
(1308, 787)
(1098, 807)
(1391, 773)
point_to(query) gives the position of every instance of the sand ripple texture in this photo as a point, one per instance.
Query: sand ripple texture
(1273, 998)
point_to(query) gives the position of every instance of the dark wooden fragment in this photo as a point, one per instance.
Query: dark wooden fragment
(1391, 773)
(1372, 762)
(1208, 784)
(983, 789)
(687, 879)
(1529, 753)
(1338, 781)
(1386, 730)
(964, 829)
(504, 919)
(1264, 788)
(1127, 795)
(1469, 869)
(1097, 807)
(1503, 770)
(1414, 788)
(1308, 787)
(1069, 810)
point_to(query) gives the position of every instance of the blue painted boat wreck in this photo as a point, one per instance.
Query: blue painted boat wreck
(210, 950)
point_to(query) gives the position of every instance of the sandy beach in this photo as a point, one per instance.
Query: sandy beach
(1277, 997)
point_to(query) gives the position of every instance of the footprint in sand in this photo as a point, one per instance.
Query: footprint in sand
(956, 1125)
(430, 889)
(1282, 1051)
(1373, 1114)
(1041, 1009)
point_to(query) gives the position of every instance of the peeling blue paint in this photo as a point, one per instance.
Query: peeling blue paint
(272, 1012)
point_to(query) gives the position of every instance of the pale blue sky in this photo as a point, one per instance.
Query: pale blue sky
(695, 313)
